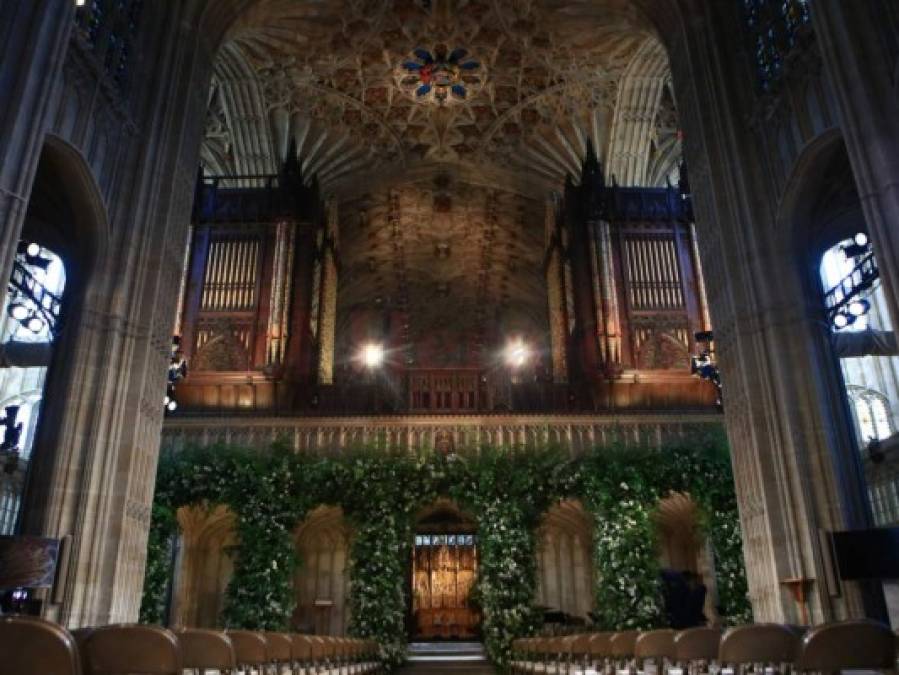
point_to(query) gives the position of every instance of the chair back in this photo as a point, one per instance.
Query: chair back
(655, 644)
(206, 650)
(849, 645)
(131, 648)
(621, 644)
(579, 645)
(759, 643)
(32, 646)
(697, 644)
(300, 648)
(249, 647)
(277, 647)
(601, 645)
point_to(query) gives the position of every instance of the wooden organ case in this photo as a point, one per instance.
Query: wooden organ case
(625, 293)
(251, 312)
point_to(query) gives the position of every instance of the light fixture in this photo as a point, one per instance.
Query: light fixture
(861, 239)
(80, 3)
(33, 249)
(172, 405)
(842, 320)
(517, 353)
(18, 311)
(859, 307)
(372, 355)
(34, 324)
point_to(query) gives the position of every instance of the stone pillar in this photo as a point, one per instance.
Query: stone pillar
(35, 39)
(555, 290)
(328, 311)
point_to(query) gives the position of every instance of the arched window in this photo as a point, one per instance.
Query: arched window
(108, 28)
(863, 337)
(774, 29)
(872, 413)
(28, 325)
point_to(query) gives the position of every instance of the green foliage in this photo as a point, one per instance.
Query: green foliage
(508, 491)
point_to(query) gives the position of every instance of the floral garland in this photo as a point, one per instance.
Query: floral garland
(507, 491)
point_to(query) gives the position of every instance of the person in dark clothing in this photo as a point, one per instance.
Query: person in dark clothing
(675, 594)
(695, 600)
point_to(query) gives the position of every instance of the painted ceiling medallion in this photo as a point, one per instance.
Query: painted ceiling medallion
(440, 77)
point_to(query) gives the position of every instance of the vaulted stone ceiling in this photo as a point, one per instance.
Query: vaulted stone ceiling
(441, 127)
(535, 82)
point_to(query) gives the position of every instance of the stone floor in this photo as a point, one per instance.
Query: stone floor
(443, 658)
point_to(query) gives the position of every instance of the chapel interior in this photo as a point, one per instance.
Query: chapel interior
(348, 336)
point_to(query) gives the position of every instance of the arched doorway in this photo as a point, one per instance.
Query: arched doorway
(443, 576)
(685, 556)
(322, 580)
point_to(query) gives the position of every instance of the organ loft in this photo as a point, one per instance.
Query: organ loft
(438, 296)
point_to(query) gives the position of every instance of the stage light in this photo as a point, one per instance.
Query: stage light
(861, 239)
(172, 405)
(18, 311)
(34, 324)
(859, 307)
(33, 249)
(372, 355)
(517, 354)
(840, 320)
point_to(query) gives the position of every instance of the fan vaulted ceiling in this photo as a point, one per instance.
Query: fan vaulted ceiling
(508, 91)
(441, 127)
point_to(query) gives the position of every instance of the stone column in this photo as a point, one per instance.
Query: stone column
(35, 39)
(555, 291)
(328, 311)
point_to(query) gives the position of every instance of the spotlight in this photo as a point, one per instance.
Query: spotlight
(33, 249)
(517, 354)
(859, 307)
(372, 355)
(34, 324)
(842, 320)
(18, 311)
(172, 405)
(861, 239)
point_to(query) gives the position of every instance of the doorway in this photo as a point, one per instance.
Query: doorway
(444, 572)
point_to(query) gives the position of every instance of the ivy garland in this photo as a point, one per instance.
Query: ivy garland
(508, 491)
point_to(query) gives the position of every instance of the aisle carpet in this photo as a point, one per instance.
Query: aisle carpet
(445, 658)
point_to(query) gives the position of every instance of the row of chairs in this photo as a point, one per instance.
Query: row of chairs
(33, 646)
(849, 645)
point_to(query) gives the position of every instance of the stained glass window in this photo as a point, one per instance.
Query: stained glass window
(774, 28)
(109, 28)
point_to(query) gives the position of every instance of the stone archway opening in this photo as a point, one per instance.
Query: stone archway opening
(684, 556)
(443, 575)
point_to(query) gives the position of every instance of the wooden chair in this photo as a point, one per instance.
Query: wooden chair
(849, 645)
(696, 648)
(32, 646)
(621, 648)
(578, 648)
(249, 649)
(203, 650)
(277, 651)
(600, 650)
(132, 649)
(762, 643)
(300, 652)
(655, 647)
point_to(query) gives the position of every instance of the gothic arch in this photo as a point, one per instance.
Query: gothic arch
(322, 580)
(564, 560)
(204, 566)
